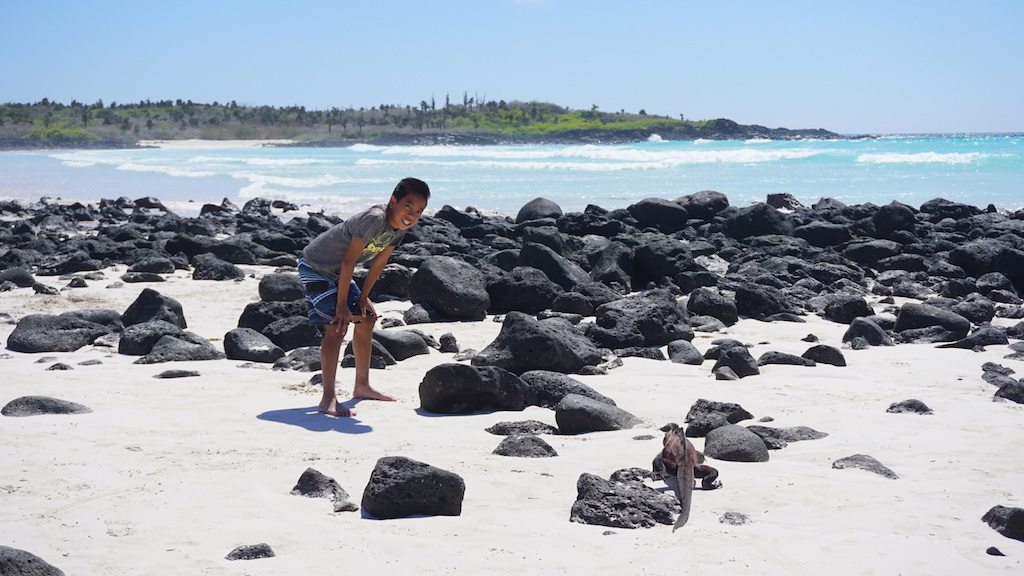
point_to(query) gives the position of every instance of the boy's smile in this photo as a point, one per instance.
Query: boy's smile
(405, 213)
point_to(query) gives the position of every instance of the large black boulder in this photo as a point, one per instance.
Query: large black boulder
(19, 276)
(845, 308)
(151, 305)
(576, 414)
(1007, 520)
(537, 209)
(139, 339)
(525, 343)
(207, 266)
(869, 330)
(621, 504)
(664, 215)
(706, 415)
(402, 344)
(710, 302)
(870, 252)
(248, 344)
(281, 287)
(53, 333)
(650, 318)
(525, 446)
(550, 387)
(524, 289)
(758, 219)
(913, 315)
(292, 332)
(823, 234)
(258, 315)
(400, 487)
(825, 354)
(452, 388)
(735, 443)
(739, 360)
(893, 218)
(38, 405)
(181, 348)
(614, 266)
(556, 267)
(759, 301)
(451, 286)
(704, 205)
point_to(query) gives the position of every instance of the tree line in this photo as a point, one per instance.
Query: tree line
(55, 123)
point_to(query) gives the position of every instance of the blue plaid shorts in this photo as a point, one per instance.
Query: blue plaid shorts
(322, 295)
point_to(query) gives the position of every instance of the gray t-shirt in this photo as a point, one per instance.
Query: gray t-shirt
(325, 252)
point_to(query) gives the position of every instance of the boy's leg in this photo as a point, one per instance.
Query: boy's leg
(321, 295)
(330, 349)
(362, 346)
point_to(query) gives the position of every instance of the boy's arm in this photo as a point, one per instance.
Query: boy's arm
(342, 315)
(379, 261)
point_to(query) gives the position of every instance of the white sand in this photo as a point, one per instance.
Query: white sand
(168, 476)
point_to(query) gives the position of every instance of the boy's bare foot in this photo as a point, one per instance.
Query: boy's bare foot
(335, 409)
(368, 393)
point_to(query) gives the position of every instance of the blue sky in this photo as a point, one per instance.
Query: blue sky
(852, 67)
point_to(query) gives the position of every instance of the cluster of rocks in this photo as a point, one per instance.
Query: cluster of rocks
(645, 277)
(771, 261)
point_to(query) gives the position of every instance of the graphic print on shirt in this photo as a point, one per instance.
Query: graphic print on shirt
(377, 244)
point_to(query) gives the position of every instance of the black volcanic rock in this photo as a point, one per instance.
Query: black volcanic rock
(704, 205)
(538, 208)
(248, 344)
(524, 289)
(38, 405)
(525, 343)
(651, 318)
(49, 333)
(576, 414)
(400, 487)
(459, 389)
(550, 387)
(659, 213)
(915, 316)
(151, 305)
(452, 287)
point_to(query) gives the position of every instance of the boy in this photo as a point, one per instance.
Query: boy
(327, 264)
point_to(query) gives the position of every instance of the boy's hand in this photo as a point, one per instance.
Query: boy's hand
(367, 307)
(342, 318)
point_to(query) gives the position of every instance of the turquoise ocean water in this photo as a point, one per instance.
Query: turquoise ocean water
(973, 169)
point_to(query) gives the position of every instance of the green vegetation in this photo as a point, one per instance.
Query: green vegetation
(52, 123)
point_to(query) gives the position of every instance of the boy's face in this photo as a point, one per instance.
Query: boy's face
(404, 213)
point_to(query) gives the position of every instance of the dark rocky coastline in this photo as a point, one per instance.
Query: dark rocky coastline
(958, 266)
(721, 129)
(648, 276)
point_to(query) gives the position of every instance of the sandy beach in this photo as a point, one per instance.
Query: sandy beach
(170, 475)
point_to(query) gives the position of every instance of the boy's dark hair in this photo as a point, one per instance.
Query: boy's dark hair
(411, 186)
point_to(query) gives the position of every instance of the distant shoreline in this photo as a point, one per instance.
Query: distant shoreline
(720, 130)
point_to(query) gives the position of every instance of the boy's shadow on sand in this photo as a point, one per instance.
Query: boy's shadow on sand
(312, 420)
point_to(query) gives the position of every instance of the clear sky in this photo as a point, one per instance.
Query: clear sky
(853, 67)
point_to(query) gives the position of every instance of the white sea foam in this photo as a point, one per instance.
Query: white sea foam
(366, 148)
(168, 170)
(922, 157)
(646, 157)
(256, 161)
